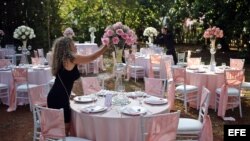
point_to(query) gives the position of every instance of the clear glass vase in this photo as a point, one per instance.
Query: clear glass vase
(25, 52)
(212, 52)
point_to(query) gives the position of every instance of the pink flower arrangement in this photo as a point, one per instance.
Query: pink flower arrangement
(2, 33)
(213, 33)
(119, 34)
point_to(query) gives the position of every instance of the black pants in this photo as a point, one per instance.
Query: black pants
(173, 53)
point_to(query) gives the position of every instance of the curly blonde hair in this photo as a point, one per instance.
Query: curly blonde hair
(61, 53)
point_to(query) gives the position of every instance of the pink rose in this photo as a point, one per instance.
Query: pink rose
(105, 41)
(115, 40)
(110, 32)
(124, 36)
(119, 32)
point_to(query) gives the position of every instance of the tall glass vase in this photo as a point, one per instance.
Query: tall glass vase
(212, 52)
(92, 37)
(24, 59)
(150, 39)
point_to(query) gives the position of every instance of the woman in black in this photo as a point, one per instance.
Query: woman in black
(64, 68)
(166, 38)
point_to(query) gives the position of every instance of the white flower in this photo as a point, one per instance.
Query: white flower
(24, 33)
(92, 29)
(150, 31)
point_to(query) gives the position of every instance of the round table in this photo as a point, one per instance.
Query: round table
(110, 125)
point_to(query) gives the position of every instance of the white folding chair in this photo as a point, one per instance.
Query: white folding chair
(189, 128)
(22, 86)
(133, 69)
(184, 92)
(160, 127)
(4, 92)
(228, 96)
(38, 96)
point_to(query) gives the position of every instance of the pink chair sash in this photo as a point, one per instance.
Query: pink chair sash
(19, 75)
(35, 53)
(193, 61)
(153, 87)
(237, 63)
(52, 124)
(179, 75)
(233, 78)
(90, 85)
(207, 130)
(4, 63)
(38, 96)
(162, 127)
(35, 60)
(154, 60)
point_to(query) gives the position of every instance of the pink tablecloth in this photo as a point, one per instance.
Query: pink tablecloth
(208, 79)
(110, 125)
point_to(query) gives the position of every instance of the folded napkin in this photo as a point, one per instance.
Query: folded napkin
(154, 100)
(91, 109)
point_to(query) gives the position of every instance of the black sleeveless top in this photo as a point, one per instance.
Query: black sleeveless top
(58, 97)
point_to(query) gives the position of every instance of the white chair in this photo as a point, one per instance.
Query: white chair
(184, 92)
(133, 69)
(4, 63)
(52, 125)
(181, 59)
(190, 128)
(229, 93)
(155, 66)
(38, 96)
(160, 127)
(155, 86)
(22, 86)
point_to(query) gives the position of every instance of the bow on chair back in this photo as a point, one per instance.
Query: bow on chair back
(237, 63)
(233, 78)
(90, 85)
(155, 86)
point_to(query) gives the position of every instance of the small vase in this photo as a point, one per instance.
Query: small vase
(150, 39)
(92, 37)
(212, 52)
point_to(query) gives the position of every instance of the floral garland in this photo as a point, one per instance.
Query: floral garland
(24, 33)
(150, 32)
(119, 35)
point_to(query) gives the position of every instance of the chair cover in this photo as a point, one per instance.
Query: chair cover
(161, 127)
(90, 85)
(233, 78)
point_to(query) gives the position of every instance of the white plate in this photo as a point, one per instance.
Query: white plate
(134, 110)
(84, 99)
(5, 69)
(200, 71)
(155, 101)
(136, 94)
(93, 109)
(192, 68)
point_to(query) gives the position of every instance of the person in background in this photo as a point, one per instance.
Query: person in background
(64, 68)
(166, 39)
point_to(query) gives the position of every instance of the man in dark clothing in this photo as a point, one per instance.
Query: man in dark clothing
(166, 39)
